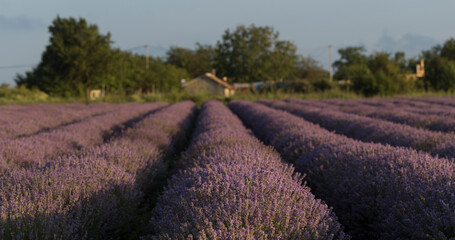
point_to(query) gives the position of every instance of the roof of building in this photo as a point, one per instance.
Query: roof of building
(213, 78)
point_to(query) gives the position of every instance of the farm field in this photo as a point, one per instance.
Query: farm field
(270, 169)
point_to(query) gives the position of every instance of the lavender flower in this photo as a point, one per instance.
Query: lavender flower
(92, 194)
(377, 191)
(373, 130)
(234, 187)
(37, 149)
(390, 112)
(24, 120)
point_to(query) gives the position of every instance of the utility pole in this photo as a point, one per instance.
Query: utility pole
(147, 56)
(330, 62)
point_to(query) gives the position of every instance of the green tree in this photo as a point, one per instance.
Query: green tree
(74, 61)
(440, 66)
(128, 74)
(448, 50)
(440, 73)
(309, 69)
(400, 60)
(164, 77)
(250, 54)
(282, 61)
(195, 62)
(349, 56)
(380, 61)
(377, 74)
(363, 80)
(125, 72)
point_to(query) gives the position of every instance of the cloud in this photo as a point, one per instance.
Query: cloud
(411, 44)
(19, 24)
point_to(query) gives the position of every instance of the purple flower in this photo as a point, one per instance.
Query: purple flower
(377, 191)
(234, 187)
(94, 193)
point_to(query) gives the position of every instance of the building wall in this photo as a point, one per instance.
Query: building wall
(201, 85)
(95, 94)
(228, 92)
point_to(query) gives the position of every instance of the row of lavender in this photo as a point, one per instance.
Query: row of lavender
(418, 106)
(36, 150)
(413, 105)
(372, 130)
(397, 113)
(234, 187)
(93, 194)
(22, 120)
(377, 191)
(447, 101)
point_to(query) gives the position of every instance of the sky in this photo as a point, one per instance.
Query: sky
(312, 25)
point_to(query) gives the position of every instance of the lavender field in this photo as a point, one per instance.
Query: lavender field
(270, 169)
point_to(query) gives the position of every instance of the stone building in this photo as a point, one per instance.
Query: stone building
(209, 83)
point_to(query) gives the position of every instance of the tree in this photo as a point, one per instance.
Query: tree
(349, 56)
(448, 49)
(164, 77)
(388, 73)
(440, 66)
(195, 62)
(310, 69)
(74, 61)
(250, 54)
(377, 74)
(381, 61)
(127, 73)
(363, 80)
(283, 59)
(400, 60)
(440, 73)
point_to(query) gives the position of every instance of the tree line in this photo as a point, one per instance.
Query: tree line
(79, 58)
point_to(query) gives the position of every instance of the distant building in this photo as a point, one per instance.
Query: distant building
(420, 69)
(209, 83)
(243, 87)
(95, 94)
(420, 72)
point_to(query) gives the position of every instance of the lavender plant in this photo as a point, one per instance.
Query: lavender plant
(396, 114)
(234, 187)
(377, 191)
(423, 108)
(24, 120)
(93, 194)
(37, 149)
(373, 130)
(445, 101)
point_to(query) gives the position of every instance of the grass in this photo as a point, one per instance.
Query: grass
(22, 95)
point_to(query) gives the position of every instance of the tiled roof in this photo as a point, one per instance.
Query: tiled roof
(219, 81)
(213, 78)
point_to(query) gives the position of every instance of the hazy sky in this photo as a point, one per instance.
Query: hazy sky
(408, 25)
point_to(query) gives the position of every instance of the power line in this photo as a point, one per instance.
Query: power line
(317, 54)
(32, 65)
(313, 48)
(134, 48)
(335, 46)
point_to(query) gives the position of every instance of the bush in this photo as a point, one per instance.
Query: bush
(21, 95)
(324, 84)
